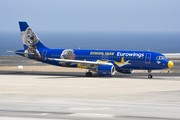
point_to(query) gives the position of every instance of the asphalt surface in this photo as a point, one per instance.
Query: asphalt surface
(43, 97)
(14, 61)
(82, 74)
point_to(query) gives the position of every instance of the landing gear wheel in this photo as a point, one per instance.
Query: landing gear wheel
(150, 76)
(89, 74)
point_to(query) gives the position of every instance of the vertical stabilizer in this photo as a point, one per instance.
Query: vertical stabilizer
(29, 38)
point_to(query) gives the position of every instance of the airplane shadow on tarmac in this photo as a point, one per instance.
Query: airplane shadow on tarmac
(82, 74)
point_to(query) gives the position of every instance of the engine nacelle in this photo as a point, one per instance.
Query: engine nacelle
(125, 71)
(106, 70)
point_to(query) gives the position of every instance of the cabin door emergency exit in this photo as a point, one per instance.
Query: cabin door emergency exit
(44, 52)
(148, 58)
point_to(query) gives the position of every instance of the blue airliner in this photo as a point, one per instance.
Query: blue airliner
(104, 62)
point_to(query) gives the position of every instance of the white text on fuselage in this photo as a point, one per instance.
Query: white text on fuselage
(130, 54)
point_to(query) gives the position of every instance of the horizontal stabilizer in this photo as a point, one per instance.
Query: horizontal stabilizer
(29, 53)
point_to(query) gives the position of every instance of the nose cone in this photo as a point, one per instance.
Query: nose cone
(170, 64)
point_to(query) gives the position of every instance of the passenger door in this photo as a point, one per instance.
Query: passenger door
(148, 58)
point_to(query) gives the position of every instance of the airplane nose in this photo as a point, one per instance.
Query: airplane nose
(170, 64)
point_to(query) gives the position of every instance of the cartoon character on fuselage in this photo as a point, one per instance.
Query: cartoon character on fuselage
(67, 54)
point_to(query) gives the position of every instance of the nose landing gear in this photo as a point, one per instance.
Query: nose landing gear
(149, 74)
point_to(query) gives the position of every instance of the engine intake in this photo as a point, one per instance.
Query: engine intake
(106, 70)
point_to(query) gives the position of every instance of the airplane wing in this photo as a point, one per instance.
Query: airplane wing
(83, 63)
(89, 64)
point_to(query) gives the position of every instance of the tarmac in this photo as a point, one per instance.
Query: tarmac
(44, 95)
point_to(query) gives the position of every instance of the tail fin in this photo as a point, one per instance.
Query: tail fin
(29, 38)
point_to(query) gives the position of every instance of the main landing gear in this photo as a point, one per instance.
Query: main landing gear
(149, 74)
(89, 74)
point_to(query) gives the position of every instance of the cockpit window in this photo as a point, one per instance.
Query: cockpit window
(160, 57)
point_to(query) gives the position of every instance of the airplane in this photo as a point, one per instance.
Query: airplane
(103, 62)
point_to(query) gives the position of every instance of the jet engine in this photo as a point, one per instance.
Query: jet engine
(125, 71)
(106, 70)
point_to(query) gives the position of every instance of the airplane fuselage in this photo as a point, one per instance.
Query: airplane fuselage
(142, 60)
